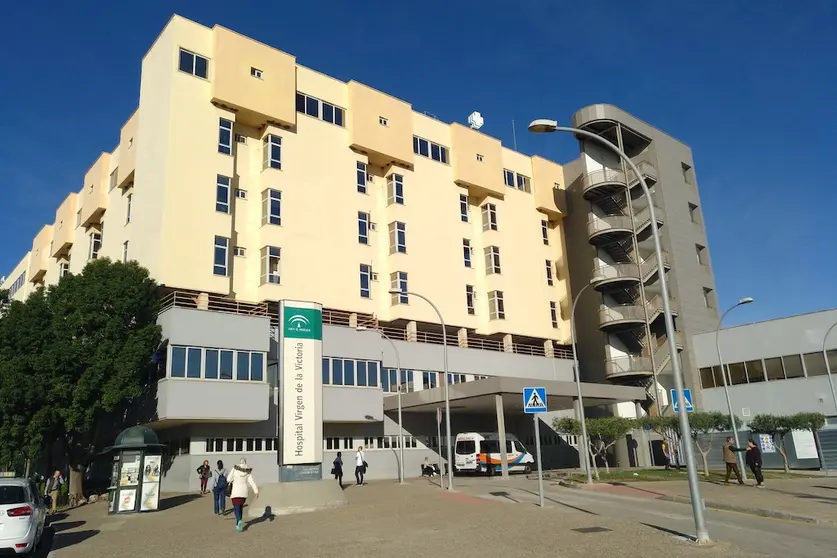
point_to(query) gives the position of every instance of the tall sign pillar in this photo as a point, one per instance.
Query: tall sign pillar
(300, 391)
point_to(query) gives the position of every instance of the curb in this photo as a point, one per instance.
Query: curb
(760, 512)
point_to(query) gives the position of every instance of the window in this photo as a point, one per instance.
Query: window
(492, 259)
(78, 218)
(256, 73)
(508, 177)
(125, 252)
(545, 231)
(194, 64)
(222, 247)
(470, 295)
(240, 251)
(549, 277)
(129, 202)
(553, 313)
(398, 282)
(755, 371)
(113, 177)
(222, 194)
(18, 284)
(361, 177)
(431, 150)
(775, 370)
(395, 189)
(496, 308)
(687, 173)
(708, 298)
(186, 362)
(241, 194)
(272, 152)
(793, 366)
(737, 373)
(397, 237)
(463, 207)
(95, 245)
(365, 281)
(429, 380)
(479, 158)
(225, 136)
(383, 121)
(271, 261)
(466, 251)
(694, 213)
(523, 183)
(316, 108)
(271, 207)
(701, 254)
(814, 364)
(707, 380)
(489, 217)
(63, 269)
(362, 227)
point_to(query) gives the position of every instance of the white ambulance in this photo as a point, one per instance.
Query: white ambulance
(479, 452)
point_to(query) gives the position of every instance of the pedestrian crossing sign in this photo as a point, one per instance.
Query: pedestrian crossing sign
(534, 400)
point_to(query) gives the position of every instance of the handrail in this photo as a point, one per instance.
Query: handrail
(621, 365)
(645, 167)
(610, 314)
(616, 271)
(592, 179)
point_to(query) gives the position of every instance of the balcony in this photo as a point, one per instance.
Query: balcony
(380, 126)
(617, 318)
(609, 229)
(628, 368)
(483, 176)
(613, 274)
(602, 182)
(93, 199)
(180, 399)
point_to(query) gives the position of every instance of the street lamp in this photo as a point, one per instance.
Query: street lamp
(544, 125)
(584, 444)
(400, 421)
(827, 366)
(445, 365)
(742, 302)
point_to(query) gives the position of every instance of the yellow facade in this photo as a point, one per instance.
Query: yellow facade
(237, 117)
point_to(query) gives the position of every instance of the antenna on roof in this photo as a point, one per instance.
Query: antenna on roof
(475, 120)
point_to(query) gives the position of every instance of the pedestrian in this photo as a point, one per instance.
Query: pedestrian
(427, 469)
(241, 479)
(666, 455)
(204, 474)
(360, 466)
(731, 462)
(52, 488)
(337, 468)
(219, 489)
(753, 459)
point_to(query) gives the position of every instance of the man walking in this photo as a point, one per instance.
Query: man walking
(730, 461)
(52, 488)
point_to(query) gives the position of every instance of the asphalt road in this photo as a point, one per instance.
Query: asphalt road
(770, 537)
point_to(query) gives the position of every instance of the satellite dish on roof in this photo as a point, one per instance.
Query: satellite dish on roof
(475, 120)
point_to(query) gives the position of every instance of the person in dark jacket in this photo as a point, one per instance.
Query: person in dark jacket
(753, 459)
(337, 469)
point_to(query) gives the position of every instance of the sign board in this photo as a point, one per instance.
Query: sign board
(687, 394)
(804, 444)
(300, 382)
(534, 400)
(766, 443)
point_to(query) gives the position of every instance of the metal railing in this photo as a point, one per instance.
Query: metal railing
(595, 178)
(627, 365)
(616, 271)
(622, 313)
(645, 168)
(655, 306)
(598, 225)
(213, 303)
(649, 266)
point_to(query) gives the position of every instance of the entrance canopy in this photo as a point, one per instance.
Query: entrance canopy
(478, 396)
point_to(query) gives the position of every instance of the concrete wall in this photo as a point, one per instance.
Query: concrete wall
(352, 404)
(219, 330)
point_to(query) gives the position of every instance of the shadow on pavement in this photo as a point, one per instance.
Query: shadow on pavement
(826, 487)
(60, 516)
(66, 525)
(174, 501)
(267, 516)
(670, 531)
(55, 541)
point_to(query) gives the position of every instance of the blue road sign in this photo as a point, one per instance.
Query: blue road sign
(687, 395)
(534, 400)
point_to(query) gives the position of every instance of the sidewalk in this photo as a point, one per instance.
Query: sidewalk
(807, 500)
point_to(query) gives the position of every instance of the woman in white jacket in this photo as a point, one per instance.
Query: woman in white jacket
(241, 480)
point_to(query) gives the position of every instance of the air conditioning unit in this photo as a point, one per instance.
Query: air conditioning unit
(374, 276)
(373, 226)
(370, 178)
(240, 139)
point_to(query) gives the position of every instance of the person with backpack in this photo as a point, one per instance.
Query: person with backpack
(219, 489)
(241, 479)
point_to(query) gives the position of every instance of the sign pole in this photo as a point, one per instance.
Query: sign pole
(538, 450)
(439, 438)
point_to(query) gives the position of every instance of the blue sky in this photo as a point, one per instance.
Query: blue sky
(749, 85)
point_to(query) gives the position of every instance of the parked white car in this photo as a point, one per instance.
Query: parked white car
(22, 515)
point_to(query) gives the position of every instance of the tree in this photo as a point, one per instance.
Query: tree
(104, 333)
(603, 434)
(707, 423)
(777, 427)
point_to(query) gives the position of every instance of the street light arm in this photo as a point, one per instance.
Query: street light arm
(825, 337)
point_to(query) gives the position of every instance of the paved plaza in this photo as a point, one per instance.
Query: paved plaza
(382, 519)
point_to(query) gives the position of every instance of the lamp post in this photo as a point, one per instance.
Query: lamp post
(400, 421)
(827, 366)
(447, 388)
(742, 302)
(584, 444)
(546, 126)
